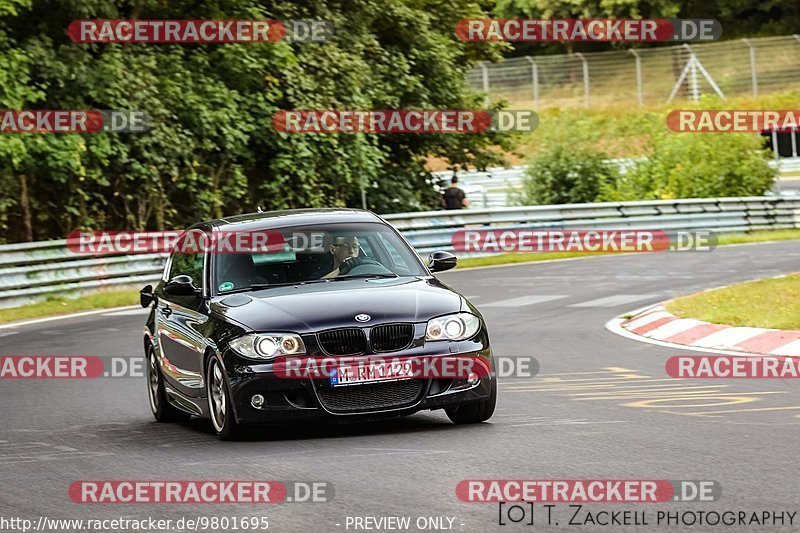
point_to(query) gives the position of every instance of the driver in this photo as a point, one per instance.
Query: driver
(345, 251)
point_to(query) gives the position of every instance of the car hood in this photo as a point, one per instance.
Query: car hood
(315, 307)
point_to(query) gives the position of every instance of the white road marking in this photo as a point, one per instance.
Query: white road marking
(56, 456)
(128, 312)
(608, 370)
(574, 388)
(521, 301)
(24, 445)
(788, 408)
(617, 299)
(521, 416)
(791, 348)
(568, 422)
(62, 317)
(646, 319)
(619, 377)
(687, 395)
(728, 337)
(649, 390)
(12, 453)
(674, 327)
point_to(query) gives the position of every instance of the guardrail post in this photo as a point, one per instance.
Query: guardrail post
(535, 80)
(363, 195)
(639, 83)
(753, 74)
(777, 160)
(485, 79)
(585, 79)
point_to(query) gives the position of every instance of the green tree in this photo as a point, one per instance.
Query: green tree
(212, 149)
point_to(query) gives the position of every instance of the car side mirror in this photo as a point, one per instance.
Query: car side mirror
(440, 261)
(181, 286)
(146, 296)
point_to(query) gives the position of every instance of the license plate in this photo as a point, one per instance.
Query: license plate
(371, 372)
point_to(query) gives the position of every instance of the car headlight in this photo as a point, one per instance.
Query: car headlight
(268, 345)
(455, 327)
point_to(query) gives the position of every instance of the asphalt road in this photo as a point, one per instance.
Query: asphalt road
(601, 407)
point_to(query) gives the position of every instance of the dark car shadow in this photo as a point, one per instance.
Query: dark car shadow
(417, 423)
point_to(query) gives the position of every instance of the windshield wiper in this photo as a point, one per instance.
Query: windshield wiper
(364, 276)
(286, 284)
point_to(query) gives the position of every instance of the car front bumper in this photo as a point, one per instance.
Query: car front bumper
(300, 399)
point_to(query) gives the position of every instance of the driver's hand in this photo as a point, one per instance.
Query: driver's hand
(350, 263)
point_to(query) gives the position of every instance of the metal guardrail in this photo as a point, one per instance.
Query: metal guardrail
(432, 230)
(34, 271)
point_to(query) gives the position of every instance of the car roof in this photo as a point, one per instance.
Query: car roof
(289, 217)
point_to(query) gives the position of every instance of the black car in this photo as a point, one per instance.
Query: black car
(343, 284)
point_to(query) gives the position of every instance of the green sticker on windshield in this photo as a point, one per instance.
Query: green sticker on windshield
(226, 286)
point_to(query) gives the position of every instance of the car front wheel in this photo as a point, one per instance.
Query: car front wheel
(219, 401)
(475, 413)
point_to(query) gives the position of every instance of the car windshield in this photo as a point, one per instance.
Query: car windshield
(315, 254)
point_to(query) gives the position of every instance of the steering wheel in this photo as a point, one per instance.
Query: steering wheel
(361, 265)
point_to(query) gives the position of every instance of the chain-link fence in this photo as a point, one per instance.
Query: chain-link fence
(647, 76)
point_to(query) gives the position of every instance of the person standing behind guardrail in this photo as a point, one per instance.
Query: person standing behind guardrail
(454, 197)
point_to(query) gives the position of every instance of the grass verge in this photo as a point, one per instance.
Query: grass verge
(767, 303)
(59, 305)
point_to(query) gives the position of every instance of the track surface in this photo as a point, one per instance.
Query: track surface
(601, 407)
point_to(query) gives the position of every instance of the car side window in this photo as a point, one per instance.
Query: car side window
(396, 258)
(366, 247)
(189, 265)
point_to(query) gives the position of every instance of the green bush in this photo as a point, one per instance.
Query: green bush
(696, 165)
(563, 174)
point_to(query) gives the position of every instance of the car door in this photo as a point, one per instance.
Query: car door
(179, 321)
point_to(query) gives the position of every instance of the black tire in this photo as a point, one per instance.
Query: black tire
(162, 410)
(475, 413)
(220, 406)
